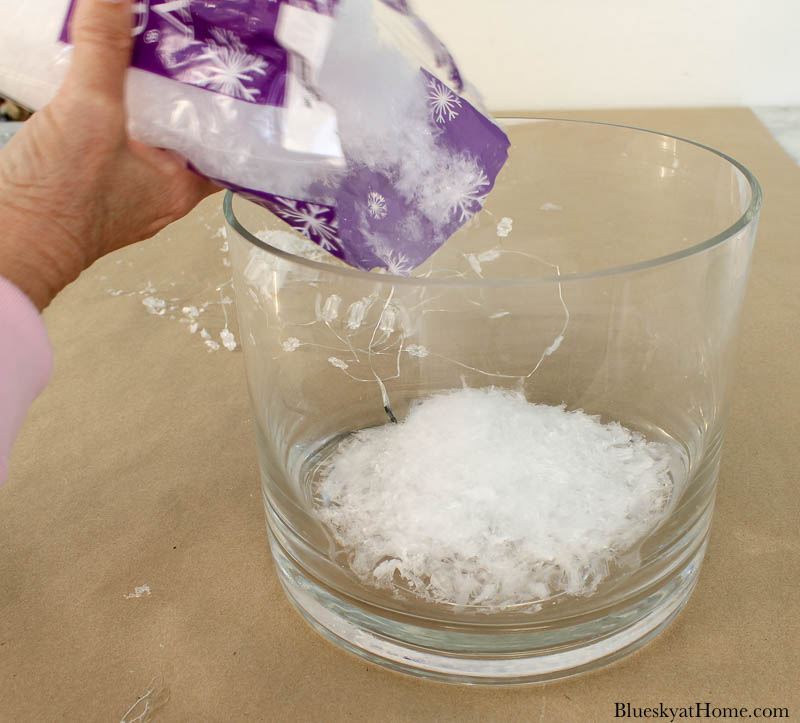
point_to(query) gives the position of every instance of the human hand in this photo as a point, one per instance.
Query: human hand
(73, 185)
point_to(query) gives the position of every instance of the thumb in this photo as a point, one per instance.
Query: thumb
(101, 33)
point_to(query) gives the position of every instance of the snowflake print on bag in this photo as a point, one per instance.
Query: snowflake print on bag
(141, 14)
(376, 205)
(398, 264)
(314, 221)
(469, 196)
(442, 101)
(226, 66)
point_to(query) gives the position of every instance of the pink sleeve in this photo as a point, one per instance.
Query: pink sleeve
(26, 362)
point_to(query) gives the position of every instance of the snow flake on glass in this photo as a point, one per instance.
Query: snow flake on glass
(416, 350)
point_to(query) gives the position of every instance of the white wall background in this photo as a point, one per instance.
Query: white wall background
(544, 54)
(554, 54)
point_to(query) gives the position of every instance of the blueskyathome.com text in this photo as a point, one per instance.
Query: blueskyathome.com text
(705, 709)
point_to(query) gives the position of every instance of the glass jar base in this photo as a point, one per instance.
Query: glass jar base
(349, 627)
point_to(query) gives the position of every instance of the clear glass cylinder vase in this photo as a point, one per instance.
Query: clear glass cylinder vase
(605, 273)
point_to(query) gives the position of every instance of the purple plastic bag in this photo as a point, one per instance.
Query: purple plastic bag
(268, 53)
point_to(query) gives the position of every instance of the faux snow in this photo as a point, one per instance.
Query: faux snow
(480, 498)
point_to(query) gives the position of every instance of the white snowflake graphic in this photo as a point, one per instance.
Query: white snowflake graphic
(311, 220)
(397, 264)
(442, 101)
(469, 193)
(226, 66)
(376, 205)
(170, 49)
(141, 13)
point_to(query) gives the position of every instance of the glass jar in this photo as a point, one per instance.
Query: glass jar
(605, 273)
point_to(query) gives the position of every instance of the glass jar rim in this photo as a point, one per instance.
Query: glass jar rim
(750, 215)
